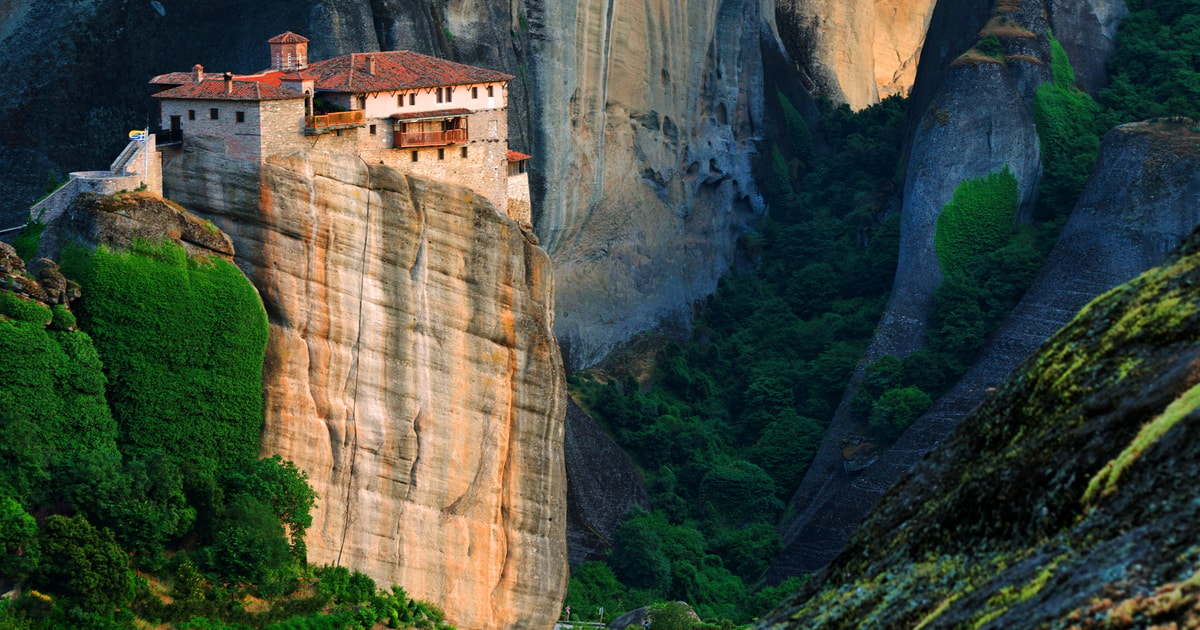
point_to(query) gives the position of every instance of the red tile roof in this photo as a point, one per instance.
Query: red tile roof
(240, 91)
(396, 70)
(437, 113)
(179, 78)
(514, 156)
(288, 38)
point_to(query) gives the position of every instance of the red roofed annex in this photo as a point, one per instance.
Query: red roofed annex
(417, 113)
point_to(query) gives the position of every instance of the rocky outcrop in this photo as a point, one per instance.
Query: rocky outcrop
(979, 122)
(120, 219)
(856, 53)
(604, 484)
(646, 116)
(411, 371)
(1065, 499)
(1087, 30)
(1143, 199)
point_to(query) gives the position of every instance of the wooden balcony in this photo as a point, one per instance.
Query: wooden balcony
(403, 140)
(325, 123)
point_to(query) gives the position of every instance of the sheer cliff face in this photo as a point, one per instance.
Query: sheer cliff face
(978, 121)
(856, 52)
(412, 372)
(645, 115)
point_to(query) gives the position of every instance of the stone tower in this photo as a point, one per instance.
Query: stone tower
(289, 52)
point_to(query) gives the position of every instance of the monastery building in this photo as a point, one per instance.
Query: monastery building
(419, 114)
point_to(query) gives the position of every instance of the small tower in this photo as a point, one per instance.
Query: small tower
(289, 52)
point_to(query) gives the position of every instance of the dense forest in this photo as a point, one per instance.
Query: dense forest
(724, 424)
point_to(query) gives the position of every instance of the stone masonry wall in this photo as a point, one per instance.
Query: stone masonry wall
(484, 169)
(282, 126)
(519, 208)
(268, 126)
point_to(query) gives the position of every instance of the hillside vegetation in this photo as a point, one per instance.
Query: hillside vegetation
(130, 486)
(724, 425)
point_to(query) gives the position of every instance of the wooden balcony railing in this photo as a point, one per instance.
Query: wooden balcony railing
(429, 138)
(336, 119)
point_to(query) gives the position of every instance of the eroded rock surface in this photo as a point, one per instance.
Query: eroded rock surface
(604, 484)
(1065, 499)
(411, 371)
(646, 115)
(1142, 201)
(856, 52)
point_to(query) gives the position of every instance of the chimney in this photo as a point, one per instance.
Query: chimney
(229, 83)
(370, 64)
(198, 73)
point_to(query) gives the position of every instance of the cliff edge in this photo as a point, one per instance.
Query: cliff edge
(411, 371)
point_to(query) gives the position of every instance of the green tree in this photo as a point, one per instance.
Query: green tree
(637, 558)
(897, 408)
(19, 551)
(251, 545)
(84, 564)
(283, 487)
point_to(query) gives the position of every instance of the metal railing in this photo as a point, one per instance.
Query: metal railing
(168, 137)
(430, 138)
(336, 119)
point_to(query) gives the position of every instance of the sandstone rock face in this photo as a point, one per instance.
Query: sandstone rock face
(856, 53)
(646, 114)
(1141, 202)
(411, 371)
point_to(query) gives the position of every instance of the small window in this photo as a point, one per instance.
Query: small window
(441, 154)
(464, 151)
(362, 102)
(191, 114)
(414, 156)
(449, 94)
(474, 92)
(439, 95)
(214, 113)
(412, 98)
(240, 116)
(489, 91)
(372, 130)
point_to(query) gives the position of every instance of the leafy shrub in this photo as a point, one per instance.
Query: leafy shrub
(83, 564)
(182, 342)
(990, 46)
(1064, 117)
(24, 309)
(979, 218)
(62, 319)
(26, 243)
(51, 402)
(897, 408)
